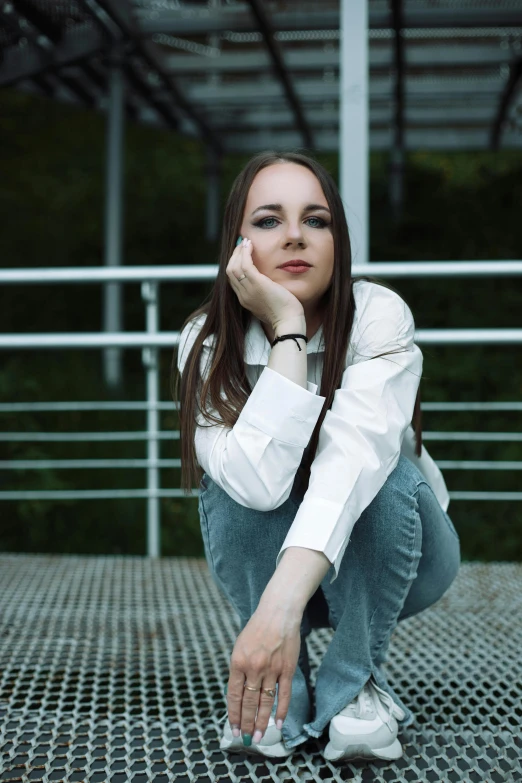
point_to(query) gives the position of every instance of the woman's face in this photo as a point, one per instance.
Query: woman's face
(287, 217)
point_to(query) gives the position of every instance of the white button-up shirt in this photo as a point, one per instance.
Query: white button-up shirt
(361, 437)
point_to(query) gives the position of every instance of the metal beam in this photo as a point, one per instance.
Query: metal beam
(27, 62)
(417, 139)
(40, 20)
(200, 20)
(316, 58)
(276, 56)
(353, 138)
(213, 173)
(28, 22)
(121, 13)
(429, 117)
(111, 33)
(113, 244)
(313, 90)
(396, 165)
(515, 76)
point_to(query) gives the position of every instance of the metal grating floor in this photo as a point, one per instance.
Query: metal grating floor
(113, 669)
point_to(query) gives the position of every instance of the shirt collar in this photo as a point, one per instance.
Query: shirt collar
(257, 347)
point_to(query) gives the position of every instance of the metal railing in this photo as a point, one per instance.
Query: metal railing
(152, 340)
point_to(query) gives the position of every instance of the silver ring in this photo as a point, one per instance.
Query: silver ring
(240, 278)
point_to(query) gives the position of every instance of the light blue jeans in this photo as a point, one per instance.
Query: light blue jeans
(403, 555)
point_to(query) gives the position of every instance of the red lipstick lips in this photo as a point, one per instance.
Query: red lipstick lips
(295, 262)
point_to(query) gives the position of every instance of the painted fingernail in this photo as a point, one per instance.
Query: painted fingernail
(247, 740)
(279, 724)
(257, 736)
(239, 240)
(236, 731)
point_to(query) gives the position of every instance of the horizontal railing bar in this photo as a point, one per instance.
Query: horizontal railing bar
(171, 339)
(188, 272)
(485, 495)
(470, 406)
(94, 494)
(71, 464)
(90, 340)
(61, 407)
(129, 494)
(452, 464)
(79, 437)
(473, 436)
(468, 336)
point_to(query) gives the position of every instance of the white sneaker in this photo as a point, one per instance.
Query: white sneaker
(366, 728)
(271, 743)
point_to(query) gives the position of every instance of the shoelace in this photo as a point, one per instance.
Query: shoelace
(363, 703)
(387, 701)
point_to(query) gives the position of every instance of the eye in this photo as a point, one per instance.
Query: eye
(263, 222)
(319, 223)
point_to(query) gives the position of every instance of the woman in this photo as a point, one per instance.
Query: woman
(298, 482)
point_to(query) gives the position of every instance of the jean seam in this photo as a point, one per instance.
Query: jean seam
(447, 519)
(375, 648)
(205, 522)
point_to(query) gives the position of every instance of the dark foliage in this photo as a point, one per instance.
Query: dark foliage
(457, 206)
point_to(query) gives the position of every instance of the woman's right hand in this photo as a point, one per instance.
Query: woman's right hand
(269, 301)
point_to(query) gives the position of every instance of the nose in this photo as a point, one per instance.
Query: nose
(294, 235)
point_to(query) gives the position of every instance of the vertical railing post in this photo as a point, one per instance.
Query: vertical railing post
(149, 293)
(112, 292)
(354, 130)
(213, 181)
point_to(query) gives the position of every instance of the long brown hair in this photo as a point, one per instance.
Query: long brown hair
(226, 387)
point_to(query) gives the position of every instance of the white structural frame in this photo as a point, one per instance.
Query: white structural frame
(354, 138)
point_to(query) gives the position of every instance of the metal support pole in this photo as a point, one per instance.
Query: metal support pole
(396, 165)
(149, 293)
(112, 310)
(353, 125)
(213, 171)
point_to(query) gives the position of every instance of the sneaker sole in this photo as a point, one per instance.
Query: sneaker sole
(363, 751)
(236, 746)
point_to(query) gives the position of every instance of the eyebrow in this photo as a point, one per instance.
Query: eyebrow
(279, 208)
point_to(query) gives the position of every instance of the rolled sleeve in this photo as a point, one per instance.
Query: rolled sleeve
(256, 460)
(360, 438)
(283, 409)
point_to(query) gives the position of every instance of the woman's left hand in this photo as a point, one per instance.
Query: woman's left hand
(266, 652)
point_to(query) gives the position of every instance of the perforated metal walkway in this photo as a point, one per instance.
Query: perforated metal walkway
(113, 669)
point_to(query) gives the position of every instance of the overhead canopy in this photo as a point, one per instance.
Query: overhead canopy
(248, 75)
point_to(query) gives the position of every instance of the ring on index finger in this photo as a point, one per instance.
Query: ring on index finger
(240, 278)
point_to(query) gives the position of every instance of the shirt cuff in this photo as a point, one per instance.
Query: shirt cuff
(329, 537)
(283, 409)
